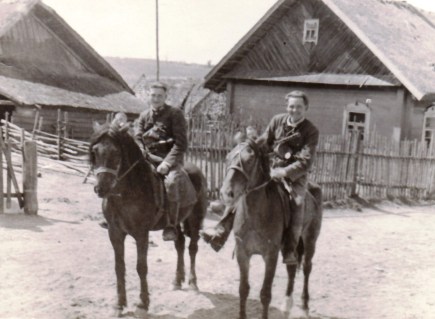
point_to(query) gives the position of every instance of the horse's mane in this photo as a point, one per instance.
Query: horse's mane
(130, 151)
(262, 155)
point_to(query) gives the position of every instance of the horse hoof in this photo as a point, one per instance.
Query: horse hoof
(193, 287)
(176, 287)
(286, 306)
(118, 312)
(141, 312)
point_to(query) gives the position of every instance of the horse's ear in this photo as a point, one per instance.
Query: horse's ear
(239, 137)
(125, 127)
(96, 126)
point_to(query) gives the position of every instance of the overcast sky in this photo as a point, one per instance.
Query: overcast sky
(193, 31)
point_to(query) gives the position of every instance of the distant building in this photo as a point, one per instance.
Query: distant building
(188, 94)
(45, 64)
(364, 63)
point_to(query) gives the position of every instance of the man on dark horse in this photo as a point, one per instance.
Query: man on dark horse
(162, 130)
(292, 141)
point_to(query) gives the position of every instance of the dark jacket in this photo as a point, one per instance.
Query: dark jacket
(294, 148)
(167, 126)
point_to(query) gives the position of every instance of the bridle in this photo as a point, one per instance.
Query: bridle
(103, 169)
(115, 172)
(238, 166)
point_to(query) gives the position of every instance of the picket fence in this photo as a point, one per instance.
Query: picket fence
(373, 168)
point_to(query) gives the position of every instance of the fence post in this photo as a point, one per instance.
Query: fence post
(2, 204)
(356, 153)
(30, 178)
(59, 135)
(65, 124)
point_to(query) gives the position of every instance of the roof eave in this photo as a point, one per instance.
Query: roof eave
(418, 94)
(100, 60)
(210, 78)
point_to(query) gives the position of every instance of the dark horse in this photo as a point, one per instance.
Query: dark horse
(132, 205)
(260, 208)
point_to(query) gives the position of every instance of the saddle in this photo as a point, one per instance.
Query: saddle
(312, 188)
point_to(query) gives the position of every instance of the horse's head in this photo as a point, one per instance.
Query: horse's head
(108, 151)
(247, 168)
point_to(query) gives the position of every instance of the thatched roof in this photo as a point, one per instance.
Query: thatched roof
(188, 94)
(44, 61)
(182, 92)
(398, 34)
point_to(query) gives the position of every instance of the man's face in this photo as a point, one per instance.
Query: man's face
(157, 97)
(296, 108)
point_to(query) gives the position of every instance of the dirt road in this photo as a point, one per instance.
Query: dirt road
(378, 263)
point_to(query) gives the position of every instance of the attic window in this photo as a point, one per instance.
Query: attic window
(311, 31)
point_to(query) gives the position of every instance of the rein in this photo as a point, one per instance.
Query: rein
(114, 172)
(240, 169)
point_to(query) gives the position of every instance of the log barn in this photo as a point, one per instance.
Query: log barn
(368, 64)
(46, 66)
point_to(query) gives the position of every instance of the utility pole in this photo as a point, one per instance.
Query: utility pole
(157, 42)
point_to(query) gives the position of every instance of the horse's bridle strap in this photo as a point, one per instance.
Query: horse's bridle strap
(103, 169)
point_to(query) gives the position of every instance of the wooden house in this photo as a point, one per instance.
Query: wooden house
(363, 63)
(45, 65)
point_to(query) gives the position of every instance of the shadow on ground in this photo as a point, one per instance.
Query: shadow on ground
(227, 306)
(29, 222)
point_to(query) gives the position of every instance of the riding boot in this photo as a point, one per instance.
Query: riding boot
(170, 231)
(218, 235)
(292, 234)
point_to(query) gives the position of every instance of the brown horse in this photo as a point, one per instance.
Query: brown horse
(260, 209)
(132, 205)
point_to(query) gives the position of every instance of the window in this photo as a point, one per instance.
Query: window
(311, 31)
(356, 116)
(429, 125)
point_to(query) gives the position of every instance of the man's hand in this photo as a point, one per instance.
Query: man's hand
(277, 173)
(163, 168)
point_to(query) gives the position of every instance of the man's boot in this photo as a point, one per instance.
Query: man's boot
(292, 235)
(170, 231)
(218, 235)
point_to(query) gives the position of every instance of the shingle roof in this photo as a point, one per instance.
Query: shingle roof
(29, 76)
(400, 35)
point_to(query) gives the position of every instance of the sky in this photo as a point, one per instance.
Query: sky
(191, 31)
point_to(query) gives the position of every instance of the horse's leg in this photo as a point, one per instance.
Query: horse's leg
(193, 250)
(266, 291)
(310, 248)
(179, 273)
(142, 269)
(243, 261)
(117, 238)
(288, 303)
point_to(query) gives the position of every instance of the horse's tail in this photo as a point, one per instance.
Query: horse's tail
(199, 210)
(316, 191)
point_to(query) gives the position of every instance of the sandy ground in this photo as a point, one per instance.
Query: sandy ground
(378, 263)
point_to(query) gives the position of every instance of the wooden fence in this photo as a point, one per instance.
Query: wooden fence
(345, 165)
(27, 198)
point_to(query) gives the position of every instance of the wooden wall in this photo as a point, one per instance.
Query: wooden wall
(257, 102)
(79, 121)
(282, 51)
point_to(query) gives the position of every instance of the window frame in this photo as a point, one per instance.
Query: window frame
(359, 108)
(428, 113)
(311, 31)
